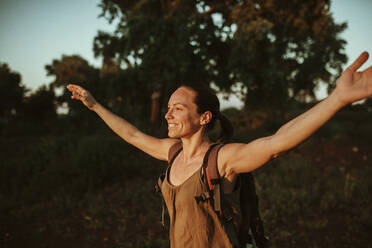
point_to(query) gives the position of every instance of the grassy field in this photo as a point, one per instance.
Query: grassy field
(93, 190)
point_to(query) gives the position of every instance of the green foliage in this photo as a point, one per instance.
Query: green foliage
(93, 190)
(91, 181)
(275, 50)
(11, 92)
(72, 70)
(287, 47)
(40, 105)
(22, 113)
(302, 201)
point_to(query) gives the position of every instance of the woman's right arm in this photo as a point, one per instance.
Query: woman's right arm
(155, 147)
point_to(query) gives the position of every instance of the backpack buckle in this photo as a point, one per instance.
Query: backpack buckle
(226, 215)
(203, 197)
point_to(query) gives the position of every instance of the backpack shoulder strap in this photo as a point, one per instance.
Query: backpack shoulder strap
(172, 154)
(212, 163)
(212, 176)
(251, 219)
(174, 150)
(220, 204)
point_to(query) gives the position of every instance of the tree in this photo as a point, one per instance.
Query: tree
(291, 46)
(75, 70)
(274, 50)
(11, 92)
(160, 45)
(40, 106)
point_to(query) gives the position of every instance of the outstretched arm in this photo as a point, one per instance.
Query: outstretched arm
(155, 147)
(351, 86)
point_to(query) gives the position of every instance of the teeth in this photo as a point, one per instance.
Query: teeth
(171, 125)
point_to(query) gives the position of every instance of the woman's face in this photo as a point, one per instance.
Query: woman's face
(182, 116)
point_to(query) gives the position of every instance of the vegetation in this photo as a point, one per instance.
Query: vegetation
(270, 51)
(58, 190)
(67, 181)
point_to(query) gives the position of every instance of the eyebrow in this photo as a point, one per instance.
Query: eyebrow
(178, 103)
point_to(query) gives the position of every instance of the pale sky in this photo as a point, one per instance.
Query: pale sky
(35, 32)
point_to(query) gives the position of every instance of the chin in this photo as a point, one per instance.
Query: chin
(173, 135)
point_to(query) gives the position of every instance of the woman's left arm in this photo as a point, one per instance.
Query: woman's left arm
(351, 86)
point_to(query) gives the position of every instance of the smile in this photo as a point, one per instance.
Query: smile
(171, 125)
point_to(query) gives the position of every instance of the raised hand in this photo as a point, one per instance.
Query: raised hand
(79, 93)
(353, 86)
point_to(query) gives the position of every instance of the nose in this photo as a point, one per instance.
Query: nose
(168, 115)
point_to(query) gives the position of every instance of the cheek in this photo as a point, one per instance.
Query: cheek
(189, 120)
(194, 121)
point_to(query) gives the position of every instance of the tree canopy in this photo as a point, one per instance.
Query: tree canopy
(271, 51)
(11, 92)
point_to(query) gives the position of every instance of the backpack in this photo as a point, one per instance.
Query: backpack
(250, 232)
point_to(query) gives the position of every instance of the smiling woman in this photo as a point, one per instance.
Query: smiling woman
(191, 113)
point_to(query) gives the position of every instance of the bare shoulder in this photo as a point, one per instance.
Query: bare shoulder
(168, 143)
(164, 146)
(155, 147)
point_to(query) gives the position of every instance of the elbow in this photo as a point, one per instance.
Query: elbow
(275, 155)
(279, 145)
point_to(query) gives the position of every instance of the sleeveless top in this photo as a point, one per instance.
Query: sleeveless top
(192, 224)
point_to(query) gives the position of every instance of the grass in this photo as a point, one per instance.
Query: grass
(93, 190)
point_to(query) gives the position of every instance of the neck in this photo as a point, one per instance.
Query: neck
(195, 146)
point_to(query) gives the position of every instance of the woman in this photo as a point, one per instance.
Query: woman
(190, 114)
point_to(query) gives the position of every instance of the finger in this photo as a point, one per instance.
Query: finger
(74, 87)
(76, 95)
(368, 70)
(358, 62)
(71, 86)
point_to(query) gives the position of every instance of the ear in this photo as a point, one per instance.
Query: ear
(205, 118)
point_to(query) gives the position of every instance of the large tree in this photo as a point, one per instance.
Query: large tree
(274, 50)
(288, 48)
(11, 92)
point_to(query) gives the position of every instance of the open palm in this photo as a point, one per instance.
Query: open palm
(353, 86)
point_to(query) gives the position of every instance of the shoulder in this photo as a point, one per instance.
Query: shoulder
(174, 148)
(163, 148)
(235, 158)
(225, 155)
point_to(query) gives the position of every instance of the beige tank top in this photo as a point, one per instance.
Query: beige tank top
(192, 224)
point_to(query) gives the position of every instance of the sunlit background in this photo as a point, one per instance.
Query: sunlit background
(33, 33)
(69, 181)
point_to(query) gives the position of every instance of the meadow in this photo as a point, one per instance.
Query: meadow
(91, 189)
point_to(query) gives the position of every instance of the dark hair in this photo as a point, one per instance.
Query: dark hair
(206, 100)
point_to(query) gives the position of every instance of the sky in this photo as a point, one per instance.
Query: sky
(35, 32)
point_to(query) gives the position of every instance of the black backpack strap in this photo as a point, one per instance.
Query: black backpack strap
(212, 180)
(251, 220)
